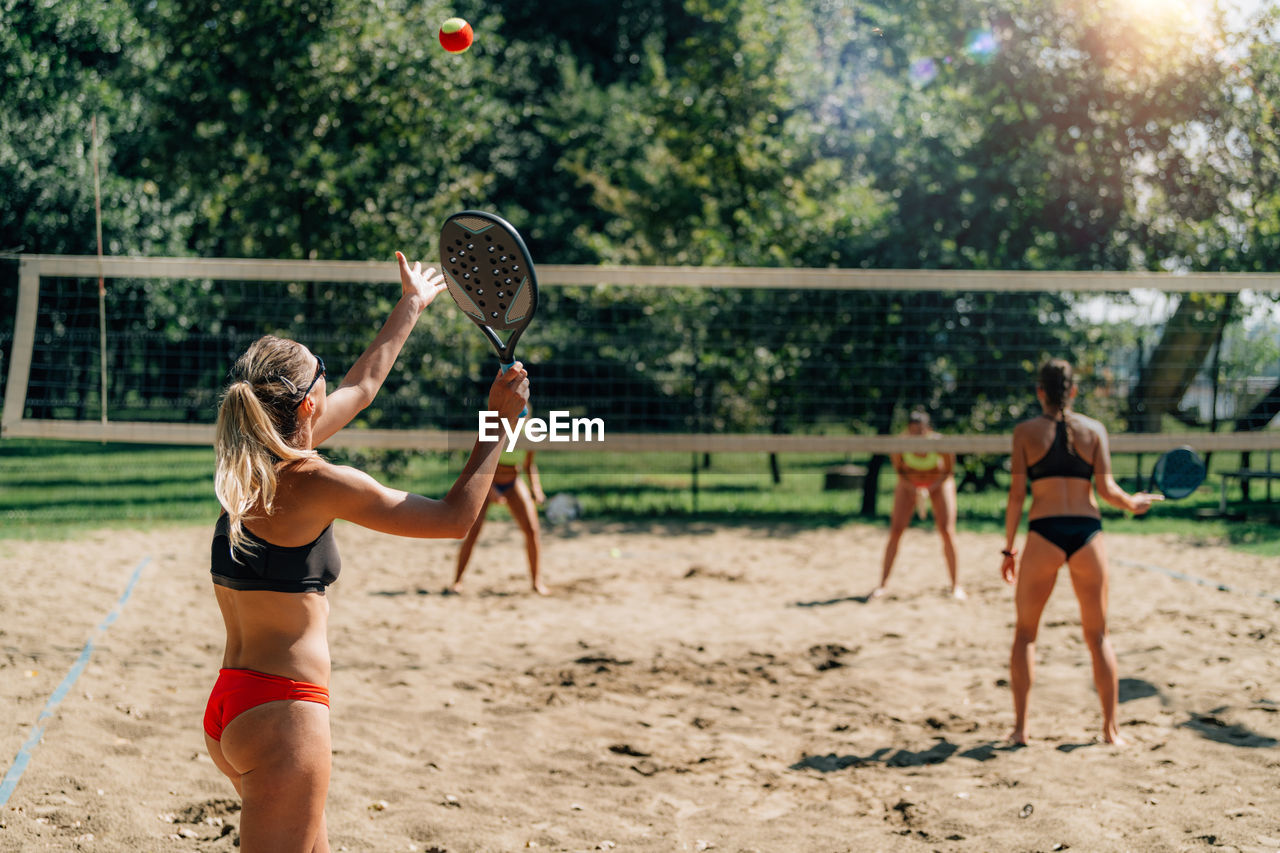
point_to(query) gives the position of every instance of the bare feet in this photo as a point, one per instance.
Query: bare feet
(1017, 737)
(876, 593)
(455, 588)
(1111, 735)
(541, 589)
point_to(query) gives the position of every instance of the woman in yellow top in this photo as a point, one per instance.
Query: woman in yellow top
(923, 477)
(522, 502)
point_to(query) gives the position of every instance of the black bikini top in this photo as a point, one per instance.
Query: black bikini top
(307, 568)
(1060, 461)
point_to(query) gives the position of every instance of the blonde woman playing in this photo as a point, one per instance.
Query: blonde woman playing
(267, 721)
(923, 479)
(1064, 456)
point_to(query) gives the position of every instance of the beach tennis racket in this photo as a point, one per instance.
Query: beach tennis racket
(1178, 473)
(490, 275)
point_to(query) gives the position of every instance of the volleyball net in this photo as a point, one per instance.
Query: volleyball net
(672, 359)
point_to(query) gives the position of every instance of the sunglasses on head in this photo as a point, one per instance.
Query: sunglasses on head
(316, 378)
(235, 376)
(319, 373)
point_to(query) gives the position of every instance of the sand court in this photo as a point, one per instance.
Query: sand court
(686, 687)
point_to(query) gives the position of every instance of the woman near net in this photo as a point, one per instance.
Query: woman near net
(923, 479)
(522, 501)
(267, 721)
(1063, 455)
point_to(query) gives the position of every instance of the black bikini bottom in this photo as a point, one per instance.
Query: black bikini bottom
(1068, 532)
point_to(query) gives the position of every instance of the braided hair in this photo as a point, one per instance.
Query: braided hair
(1056, 379)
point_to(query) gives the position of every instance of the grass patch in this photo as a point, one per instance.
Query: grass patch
(56, 490)
(53, 489)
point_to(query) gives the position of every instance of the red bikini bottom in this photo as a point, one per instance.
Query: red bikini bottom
(238, 690)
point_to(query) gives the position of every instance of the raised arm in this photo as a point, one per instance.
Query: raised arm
(355, 496)
(361, 383)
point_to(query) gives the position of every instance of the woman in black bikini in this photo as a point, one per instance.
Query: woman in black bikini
(1063, 455)
(267, 721)
(522, 502)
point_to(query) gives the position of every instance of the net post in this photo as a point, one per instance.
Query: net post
(24, 337)
(102, 286)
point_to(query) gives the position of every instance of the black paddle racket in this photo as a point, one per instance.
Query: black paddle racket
(1178, 473)
(490, 275)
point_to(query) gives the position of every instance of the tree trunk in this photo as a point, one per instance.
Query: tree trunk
(871, 484)
(883, 420)
(1262, 413)
(1193, 330)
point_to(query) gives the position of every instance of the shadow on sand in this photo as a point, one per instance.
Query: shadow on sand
(847, 599)
(1208, 726)
(941, 751)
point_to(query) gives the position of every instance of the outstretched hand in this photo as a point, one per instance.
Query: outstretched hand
(1142, 501)
(415, 281)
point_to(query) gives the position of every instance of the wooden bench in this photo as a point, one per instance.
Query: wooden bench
(1243, 474)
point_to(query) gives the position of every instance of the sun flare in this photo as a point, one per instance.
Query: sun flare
(1167, 12)
(1163, 33)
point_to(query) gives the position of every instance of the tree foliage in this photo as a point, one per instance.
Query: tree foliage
(949, 134)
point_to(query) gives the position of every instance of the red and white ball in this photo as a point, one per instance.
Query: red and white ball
(456, 35)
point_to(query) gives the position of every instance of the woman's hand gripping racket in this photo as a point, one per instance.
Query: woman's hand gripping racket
(1178, 473)
(490, 275)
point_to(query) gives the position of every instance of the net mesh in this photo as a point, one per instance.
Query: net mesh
(674, 360)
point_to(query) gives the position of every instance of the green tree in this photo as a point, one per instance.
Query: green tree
(326, 129)
(1214, 198)
(1042, 135)
(64, 66)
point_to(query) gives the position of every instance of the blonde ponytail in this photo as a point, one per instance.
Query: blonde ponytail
(256, 421)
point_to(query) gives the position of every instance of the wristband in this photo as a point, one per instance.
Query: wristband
(1008, 553)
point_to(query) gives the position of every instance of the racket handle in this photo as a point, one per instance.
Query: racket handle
(524, 413)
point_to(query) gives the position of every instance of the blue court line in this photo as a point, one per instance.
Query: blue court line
(1182, 576)
(37, 732)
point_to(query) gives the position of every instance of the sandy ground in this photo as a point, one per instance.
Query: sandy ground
(686, 688)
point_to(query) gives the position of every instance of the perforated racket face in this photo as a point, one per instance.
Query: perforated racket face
(488, 270)
(1179, 472)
